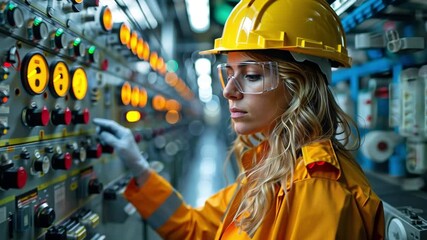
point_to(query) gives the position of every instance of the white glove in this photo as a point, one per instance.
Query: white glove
(122, 140)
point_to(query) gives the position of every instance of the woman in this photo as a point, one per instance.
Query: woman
(297, 180)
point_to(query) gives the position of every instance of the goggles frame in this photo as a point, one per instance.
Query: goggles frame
(251, 78)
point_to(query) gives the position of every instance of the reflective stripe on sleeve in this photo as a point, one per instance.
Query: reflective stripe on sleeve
(165, 211)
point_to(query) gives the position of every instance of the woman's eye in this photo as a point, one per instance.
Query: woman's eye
(253, 77)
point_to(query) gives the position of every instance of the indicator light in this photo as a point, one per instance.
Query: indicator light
(172, 117)
(106, 19)
(159, 102)
(135, 96)
(133, 116)
(59, 32)
(91, 50)
(143, 97)
(153, 60)
(146, 54)
(37, 21)
(126, 93)
(124, 34)
(140, 49)
(11, 6)
(77, 41)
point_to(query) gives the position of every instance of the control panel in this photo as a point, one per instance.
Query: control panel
(63, 63)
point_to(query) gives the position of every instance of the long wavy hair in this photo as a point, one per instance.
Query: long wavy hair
(312, 115)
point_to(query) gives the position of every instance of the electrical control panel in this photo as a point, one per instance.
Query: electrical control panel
(63, 63)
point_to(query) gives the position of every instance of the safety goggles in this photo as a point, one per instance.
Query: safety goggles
(250, 77)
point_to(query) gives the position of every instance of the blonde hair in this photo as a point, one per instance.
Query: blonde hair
(312, 115)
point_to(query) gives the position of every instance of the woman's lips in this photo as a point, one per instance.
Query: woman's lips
(237, 113)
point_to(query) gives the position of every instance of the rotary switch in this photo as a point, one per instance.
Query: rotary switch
(44, 216)
(95, 186)
(11, 176)
(94, 151)
(61, 116)
(62, 161)
(78, 48)
(36, 117)
(81, 117)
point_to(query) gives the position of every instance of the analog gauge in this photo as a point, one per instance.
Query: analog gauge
(79, 83)
(126, 93)
(60, 79)
(135, 96)
(106, 19)
(35, 73)
(143, 97)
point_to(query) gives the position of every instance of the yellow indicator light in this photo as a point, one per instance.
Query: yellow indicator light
(140, 49)
(159, 102)
(4, 131)
(35, 73)
(133, 42)
(143, 97)
(126, 93)
(153, 60)
(60, 79)
(106, 19)
(146, 54)
(160, 65)
(124, 34)
(133, 116)
(79, 83)
(172, 117)
(135, 97)
(77, 1)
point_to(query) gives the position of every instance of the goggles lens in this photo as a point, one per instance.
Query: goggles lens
(250, 77)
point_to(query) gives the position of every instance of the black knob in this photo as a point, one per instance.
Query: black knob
(56, 233)
(13, 177)
(94, 151)
(36, 117)
(45, 216)
(61, 116)
(95, 186)
(62, 161)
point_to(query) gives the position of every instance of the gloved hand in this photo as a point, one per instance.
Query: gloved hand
(122, 140)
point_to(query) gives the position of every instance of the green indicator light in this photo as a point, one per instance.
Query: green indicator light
(91, 50)
(11, 6)
(77, 41)
(59, 32)
(37, 21)
(172, 66)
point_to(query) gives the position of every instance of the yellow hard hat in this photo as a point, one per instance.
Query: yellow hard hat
(305, 26)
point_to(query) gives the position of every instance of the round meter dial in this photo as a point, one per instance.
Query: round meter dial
(79, 83)
(59, 79)
(35, 73)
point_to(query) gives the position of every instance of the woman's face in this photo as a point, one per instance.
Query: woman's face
(253, 113)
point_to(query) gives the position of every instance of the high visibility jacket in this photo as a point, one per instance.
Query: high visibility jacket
(329, 198)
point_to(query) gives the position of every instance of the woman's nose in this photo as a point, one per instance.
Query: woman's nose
(230, 91)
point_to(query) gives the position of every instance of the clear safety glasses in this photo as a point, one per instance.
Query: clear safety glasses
(250, 77)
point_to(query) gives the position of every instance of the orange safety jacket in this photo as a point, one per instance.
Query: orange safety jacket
(329, 198)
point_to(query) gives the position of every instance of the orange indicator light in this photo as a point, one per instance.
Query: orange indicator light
(106, 19)
(126, 93)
